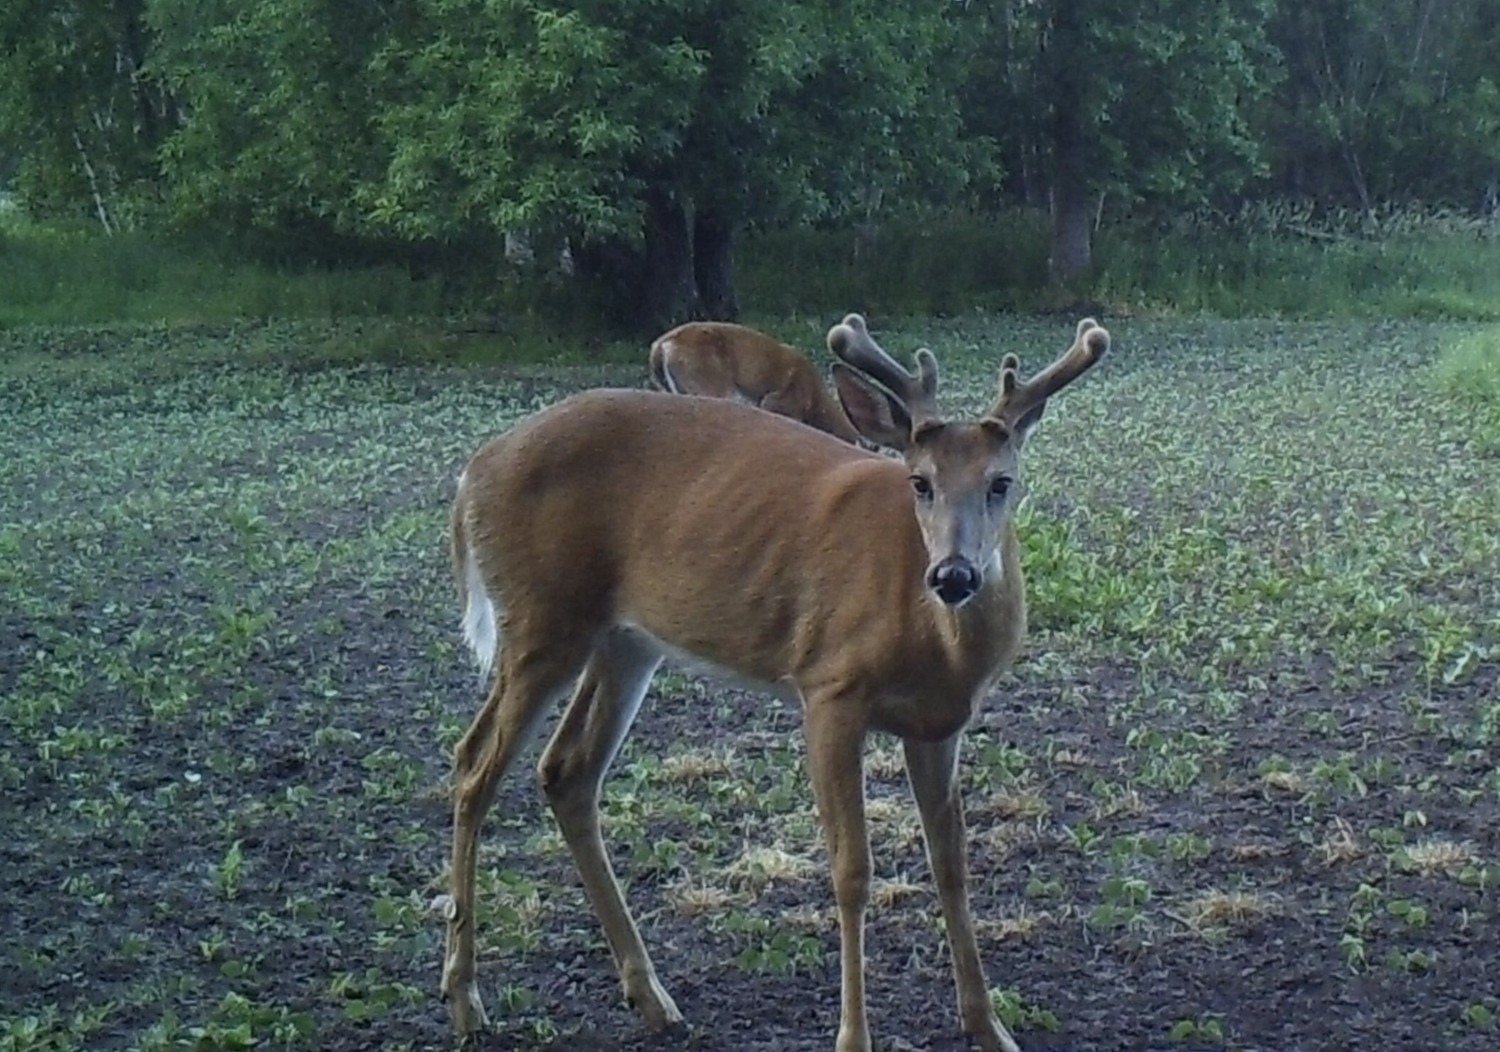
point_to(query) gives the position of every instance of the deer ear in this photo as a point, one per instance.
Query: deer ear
(875, 413)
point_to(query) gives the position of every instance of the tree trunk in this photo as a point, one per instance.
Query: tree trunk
(101, 208)
(1072, 247)
(713, 265)
(644, 292)
(610, 271)
(132, 57)
(670, 296)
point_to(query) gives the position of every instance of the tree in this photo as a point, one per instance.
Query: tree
(652, 132)
(646, 134)
(78, 106)
(1377, 91)
(1148, 103)
(277, 109)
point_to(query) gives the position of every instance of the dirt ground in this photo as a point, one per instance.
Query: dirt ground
(232, 679)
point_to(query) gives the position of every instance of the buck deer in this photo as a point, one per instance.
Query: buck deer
(723, 360)
(618, 526)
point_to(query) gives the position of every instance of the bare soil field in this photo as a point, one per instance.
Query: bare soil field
(1242, 792)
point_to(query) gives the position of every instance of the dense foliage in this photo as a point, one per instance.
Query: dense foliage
(647, 136)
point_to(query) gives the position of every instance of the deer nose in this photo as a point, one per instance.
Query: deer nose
(955, 580)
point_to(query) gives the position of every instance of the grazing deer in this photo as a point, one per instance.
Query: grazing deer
(618, 526)
(722, 360)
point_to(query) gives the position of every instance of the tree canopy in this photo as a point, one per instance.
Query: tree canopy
(648, 135)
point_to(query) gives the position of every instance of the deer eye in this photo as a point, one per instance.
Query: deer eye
(922, 487)
(999, 487)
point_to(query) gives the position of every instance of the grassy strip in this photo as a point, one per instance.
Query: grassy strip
(1262, 263)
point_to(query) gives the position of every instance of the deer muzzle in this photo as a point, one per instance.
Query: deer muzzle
(954, 580)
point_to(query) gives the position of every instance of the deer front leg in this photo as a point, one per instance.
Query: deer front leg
(933, 772)
(835, 762)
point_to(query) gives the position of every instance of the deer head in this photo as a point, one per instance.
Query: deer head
(965, 474)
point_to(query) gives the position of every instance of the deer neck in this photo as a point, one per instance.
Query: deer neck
(984, 636)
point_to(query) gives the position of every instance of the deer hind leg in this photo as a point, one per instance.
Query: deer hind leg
(571, 773)
(932, 770)
(835, 764)
(529, 679)
(661, 369)
(706, 375)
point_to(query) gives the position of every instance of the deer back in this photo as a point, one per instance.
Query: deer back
(781, 555)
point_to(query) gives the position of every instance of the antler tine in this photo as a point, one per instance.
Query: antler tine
(851, 342)
(1090, 342)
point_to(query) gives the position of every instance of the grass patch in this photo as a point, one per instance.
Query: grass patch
(1286, 261)
(1265, 261)
(1468, 373)
(938, 264)
(59, 278)
(1469, 368)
